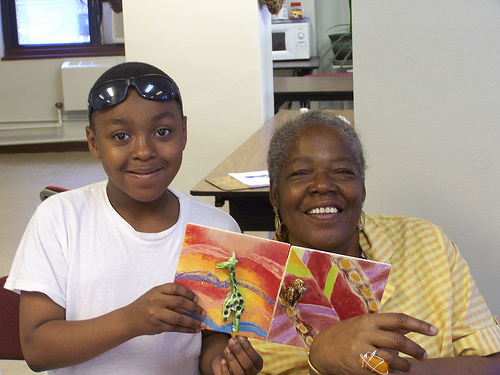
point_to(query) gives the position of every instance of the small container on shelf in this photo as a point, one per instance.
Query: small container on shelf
(296, 11)
(282, 14)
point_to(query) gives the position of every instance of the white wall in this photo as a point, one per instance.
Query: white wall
(329, 13)
(220, 56)
(22, 82)
(426, 80)
(29, 90)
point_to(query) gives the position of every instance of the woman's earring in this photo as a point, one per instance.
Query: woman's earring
(361, 224)
(277, 223)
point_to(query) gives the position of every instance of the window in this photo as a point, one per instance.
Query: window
(57, 22)
(55, 28)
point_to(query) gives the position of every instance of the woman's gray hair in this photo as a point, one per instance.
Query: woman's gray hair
(287, 133)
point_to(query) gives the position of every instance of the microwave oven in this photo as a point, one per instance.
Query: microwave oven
(291, 39)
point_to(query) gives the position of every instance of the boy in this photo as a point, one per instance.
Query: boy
(96, 264)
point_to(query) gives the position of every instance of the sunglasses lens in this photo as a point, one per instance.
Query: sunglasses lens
(156, 87)
(108, 94)
(151, 86)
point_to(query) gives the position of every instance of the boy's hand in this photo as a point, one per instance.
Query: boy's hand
(239, 358)
(161, 310)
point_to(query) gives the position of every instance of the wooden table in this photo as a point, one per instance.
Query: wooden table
(249, 207)
(300, 67)
(312, 88)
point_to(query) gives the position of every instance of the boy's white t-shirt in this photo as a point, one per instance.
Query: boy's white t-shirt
(81, 253)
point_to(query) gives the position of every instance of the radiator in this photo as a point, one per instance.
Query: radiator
(78, 76)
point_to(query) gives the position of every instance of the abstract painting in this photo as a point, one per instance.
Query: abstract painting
(258, 273)
(273, 291)
(337, 287)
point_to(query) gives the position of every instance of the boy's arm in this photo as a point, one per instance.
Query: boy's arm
(50, 341)
(221, 354)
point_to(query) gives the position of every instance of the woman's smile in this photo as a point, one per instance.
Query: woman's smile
(322, 216)
(322, 210)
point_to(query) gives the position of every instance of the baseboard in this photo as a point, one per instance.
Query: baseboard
(45, 147)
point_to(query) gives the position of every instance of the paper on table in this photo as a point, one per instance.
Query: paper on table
(253, 179)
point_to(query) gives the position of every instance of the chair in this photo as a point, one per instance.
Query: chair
(10, 344)
(50, 190)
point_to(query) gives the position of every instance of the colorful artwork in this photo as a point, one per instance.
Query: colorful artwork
(234, 302)
(336, 288)
(273, 291)
(258, 273)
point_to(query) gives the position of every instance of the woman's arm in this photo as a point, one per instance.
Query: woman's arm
(336, 349)
(458, 365)
(50, 341)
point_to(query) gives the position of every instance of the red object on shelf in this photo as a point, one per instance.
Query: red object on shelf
(296, 11)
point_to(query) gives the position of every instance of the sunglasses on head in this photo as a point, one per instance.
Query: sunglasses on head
(149, 86)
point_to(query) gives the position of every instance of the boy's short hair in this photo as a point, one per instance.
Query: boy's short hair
(128, 70)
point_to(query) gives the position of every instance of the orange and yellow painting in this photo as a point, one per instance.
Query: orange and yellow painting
(258, 273)
(273, 291)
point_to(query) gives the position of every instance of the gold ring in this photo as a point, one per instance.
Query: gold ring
(373, 362)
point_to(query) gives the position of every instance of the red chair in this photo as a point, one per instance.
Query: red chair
(50, 190)
(10, 344)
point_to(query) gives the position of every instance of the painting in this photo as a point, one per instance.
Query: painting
(257, 276)
(273, 291)
(335, 287)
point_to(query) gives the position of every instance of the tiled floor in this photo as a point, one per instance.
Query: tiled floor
(23, 176)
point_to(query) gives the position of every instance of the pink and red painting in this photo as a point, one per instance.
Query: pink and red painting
(273, 291)
(337, 287)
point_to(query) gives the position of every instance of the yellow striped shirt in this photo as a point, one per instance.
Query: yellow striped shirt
(429, 280)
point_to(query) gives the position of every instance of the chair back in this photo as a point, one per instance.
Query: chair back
(10, 344)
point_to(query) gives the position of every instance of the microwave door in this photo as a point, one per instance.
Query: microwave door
(279, 41)
(283, 41)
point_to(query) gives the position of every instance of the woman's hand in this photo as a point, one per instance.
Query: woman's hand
(162, 309)
(336, 349)
(238, 358)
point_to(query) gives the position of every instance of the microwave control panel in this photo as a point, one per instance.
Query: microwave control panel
(302, 41)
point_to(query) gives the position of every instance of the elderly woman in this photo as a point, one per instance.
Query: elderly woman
(432, 318)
